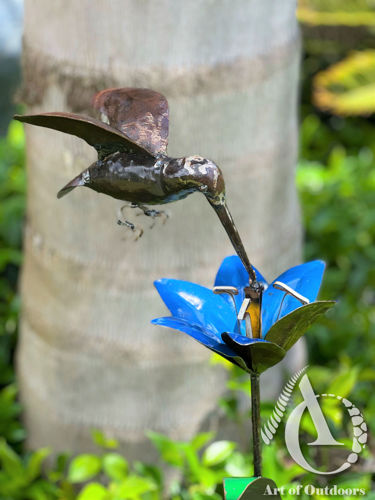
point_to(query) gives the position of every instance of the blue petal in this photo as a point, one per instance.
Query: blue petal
(196, 305)
(198, 333)
(242, 339)
(304, 279)
(233, 273)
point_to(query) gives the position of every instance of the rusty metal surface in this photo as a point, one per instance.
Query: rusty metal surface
(141, 114)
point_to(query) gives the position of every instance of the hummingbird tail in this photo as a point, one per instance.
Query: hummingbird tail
(81, 180)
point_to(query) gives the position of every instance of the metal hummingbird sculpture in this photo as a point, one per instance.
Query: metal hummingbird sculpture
(246, 320)
(133, 166)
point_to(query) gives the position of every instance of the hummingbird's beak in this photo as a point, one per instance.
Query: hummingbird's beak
(80, 180)
(227, 221)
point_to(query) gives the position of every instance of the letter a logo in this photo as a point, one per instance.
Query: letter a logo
(293, 423)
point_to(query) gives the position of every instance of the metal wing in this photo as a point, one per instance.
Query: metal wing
(141, 114)
(102, 137)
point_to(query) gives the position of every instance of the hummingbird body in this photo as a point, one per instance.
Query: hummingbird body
(124, 177)
(151, 181)
(131, 142)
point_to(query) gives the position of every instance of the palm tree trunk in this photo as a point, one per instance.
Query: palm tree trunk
(87, 356)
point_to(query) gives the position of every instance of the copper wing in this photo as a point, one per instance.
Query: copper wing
(140, 114)
(102, 137)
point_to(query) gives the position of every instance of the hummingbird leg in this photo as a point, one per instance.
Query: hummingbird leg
(121, 221)
(149, 212)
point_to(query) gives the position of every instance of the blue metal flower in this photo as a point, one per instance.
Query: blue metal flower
(288, 308)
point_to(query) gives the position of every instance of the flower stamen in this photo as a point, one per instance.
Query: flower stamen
(249, 330)
(250, 312)
(231, 291)
(289, 291)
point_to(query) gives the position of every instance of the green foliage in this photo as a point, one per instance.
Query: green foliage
(275, 466)
(12, 205)
(20, 477)
(203, 472)
(101, 440)
(115, 466)
(84, 467)
(203, 468)
(339, 213)
(217, 453)
(348, 87)
(10, 426)
(336, 12)
(93, 491)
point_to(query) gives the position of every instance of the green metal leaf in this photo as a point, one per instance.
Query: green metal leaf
(291, 327)
(259, 356)
(250, 488)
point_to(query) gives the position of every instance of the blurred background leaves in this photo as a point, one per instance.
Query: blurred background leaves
(346, 87)
(337, 12)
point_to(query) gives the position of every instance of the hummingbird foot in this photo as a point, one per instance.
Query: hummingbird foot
(138, 231)
(154, 213)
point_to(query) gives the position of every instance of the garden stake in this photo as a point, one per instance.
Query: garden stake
(256, 424)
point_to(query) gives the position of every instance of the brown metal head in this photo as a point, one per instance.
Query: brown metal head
(141, 114)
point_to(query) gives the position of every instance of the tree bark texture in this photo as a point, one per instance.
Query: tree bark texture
(87, 356)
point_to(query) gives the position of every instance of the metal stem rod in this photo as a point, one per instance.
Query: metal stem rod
(255, 420)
